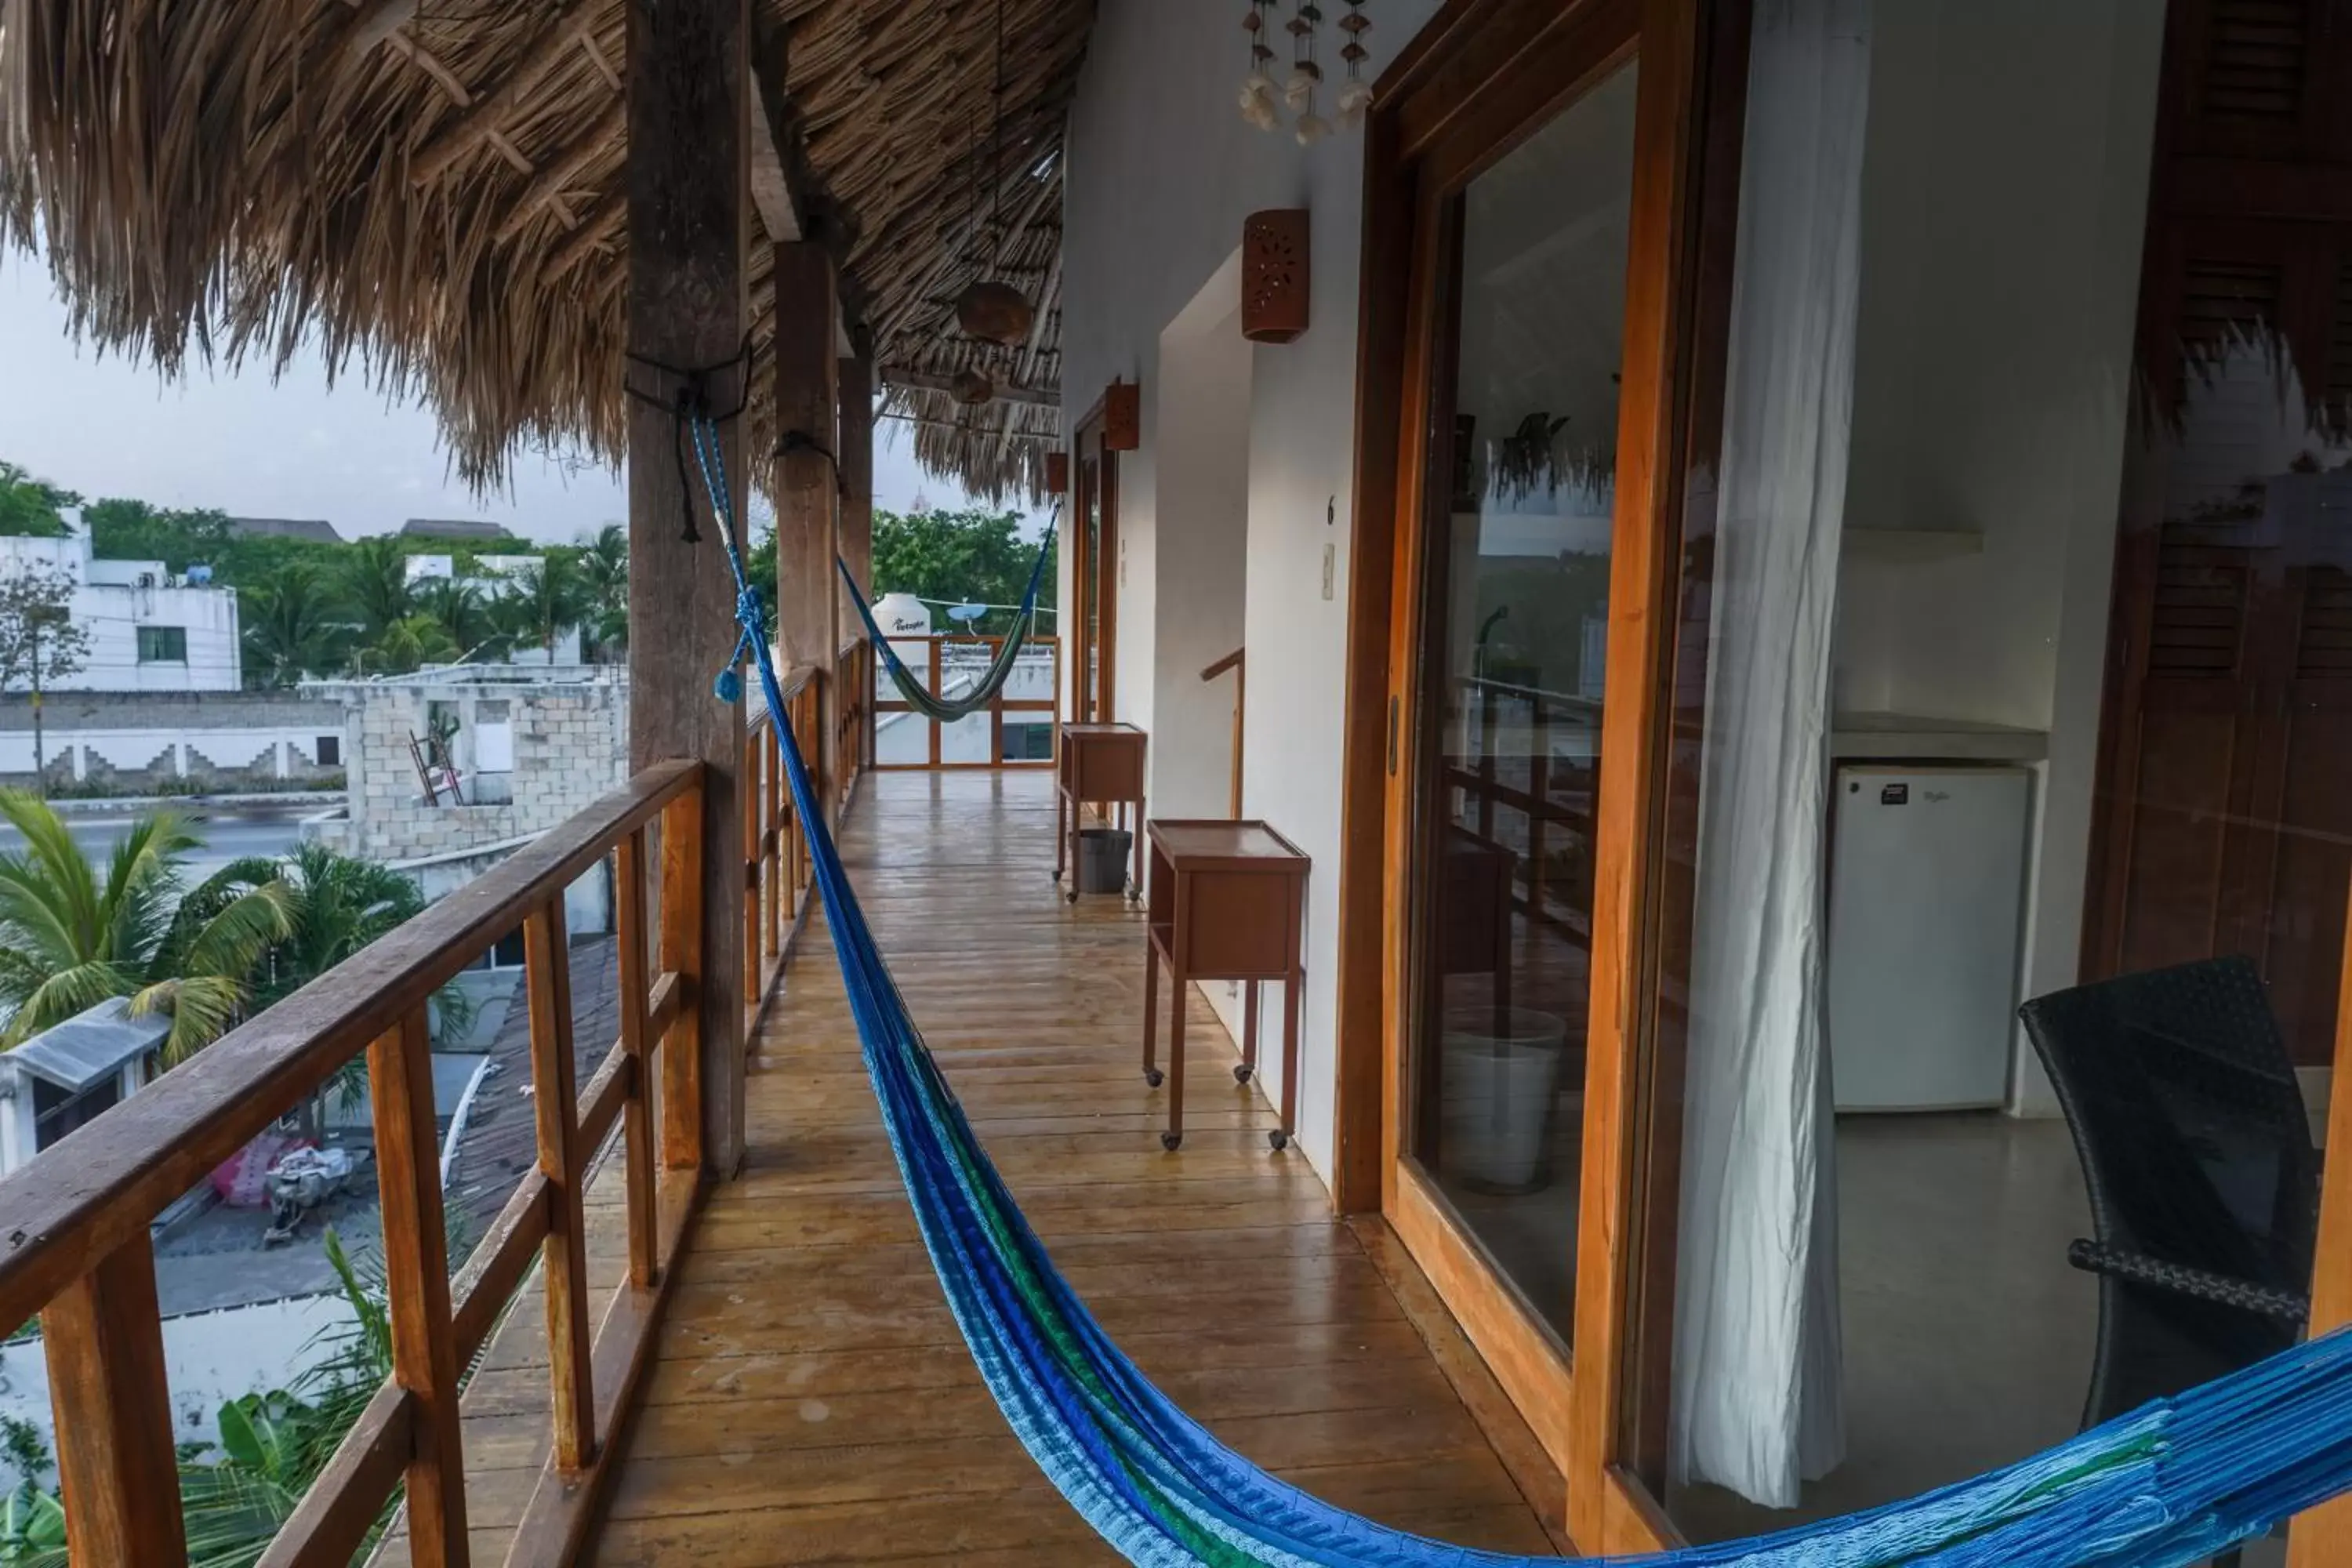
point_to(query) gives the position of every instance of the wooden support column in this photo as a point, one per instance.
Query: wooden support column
(857, 506)
(689, 193)
(808, 483)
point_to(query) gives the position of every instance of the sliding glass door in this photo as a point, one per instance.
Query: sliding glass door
(1514, 619)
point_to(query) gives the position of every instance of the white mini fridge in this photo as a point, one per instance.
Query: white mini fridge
(1926, 894)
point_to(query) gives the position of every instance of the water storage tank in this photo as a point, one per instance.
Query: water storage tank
(902, 615)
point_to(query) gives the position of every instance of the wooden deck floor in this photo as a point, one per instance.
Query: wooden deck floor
(812, 1402)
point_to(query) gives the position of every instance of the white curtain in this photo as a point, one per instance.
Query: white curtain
(1757, 1402)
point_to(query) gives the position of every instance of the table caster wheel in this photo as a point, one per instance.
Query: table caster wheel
(1279, 1139)
(1154, 1076)
(1169, 1141)
(1241, 1075)
(1071, 896)
(1058, 878)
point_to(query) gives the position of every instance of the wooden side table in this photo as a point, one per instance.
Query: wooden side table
(1227, 900)
(1098, 765)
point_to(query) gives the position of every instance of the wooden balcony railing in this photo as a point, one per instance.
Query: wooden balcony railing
(928, 654)
(74, 1238)
(853, 715)
(776, 868)
(1556, 795)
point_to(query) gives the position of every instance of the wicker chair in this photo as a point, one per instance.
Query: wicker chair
(2204, 1187)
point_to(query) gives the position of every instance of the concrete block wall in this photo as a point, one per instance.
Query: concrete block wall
(570, 745)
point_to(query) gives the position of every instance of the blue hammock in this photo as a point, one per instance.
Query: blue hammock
(915, 689)
(2167, 1485)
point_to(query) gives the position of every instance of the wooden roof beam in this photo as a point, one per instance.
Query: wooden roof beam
(563, 172)
(771, 187)
(927, 380)
(480, 121)
(370, 23)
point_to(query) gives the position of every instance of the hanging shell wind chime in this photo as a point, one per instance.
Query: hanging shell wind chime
(1297, 90)
(1257, 87)
(1305, 75)
(1356, 94)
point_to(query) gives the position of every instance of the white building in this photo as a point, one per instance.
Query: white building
(147, 630)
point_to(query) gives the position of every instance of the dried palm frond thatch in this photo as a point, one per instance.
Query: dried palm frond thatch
(430, 192)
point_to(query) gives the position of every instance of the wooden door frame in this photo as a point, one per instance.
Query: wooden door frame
(1095, 702)
(1484, 74)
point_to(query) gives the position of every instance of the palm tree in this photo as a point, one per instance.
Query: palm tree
(336, 905)
(604, 570)
(408, 644)
(375, 581)
(69, 940)
(289, 624)
(463, 612)
(546, 603)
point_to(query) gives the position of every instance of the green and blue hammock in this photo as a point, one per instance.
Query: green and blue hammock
(2167, 1485)
(943, 709)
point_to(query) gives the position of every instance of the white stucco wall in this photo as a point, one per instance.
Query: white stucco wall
(114, 599)
(1162, 173)
(2004, 200)
(1201, 522)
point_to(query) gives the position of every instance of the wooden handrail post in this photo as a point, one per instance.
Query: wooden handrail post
(117, 1474)
(555, 1106)
(752, 796)
(416, 1287)
(681, 955)
(1539, 812)
(637, 1118)
(1486, 763)
(780, 894)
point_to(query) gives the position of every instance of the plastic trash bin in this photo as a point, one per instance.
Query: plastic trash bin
(1102, 860)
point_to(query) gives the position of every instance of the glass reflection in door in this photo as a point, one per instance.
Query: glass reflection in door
(1088, 677)
(1515, 621)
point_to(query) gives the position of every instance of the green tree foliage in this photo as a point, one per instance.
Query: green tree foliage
(134, 531)
(243, 563)
(31, 508)
(37, 632)
(406, 646)
(760, 568)
(374, 581)
(975, 557)
(32, 1523)
(605, 573)
(292, 626)
(463, 614)
(336, 904)
(544, 603)
(69, 939)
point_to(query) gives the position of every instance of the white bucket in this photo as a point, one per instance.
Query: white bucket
(1501, 1094)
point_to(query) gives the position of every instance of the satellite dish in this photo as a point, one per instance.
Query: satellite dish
(967, 614)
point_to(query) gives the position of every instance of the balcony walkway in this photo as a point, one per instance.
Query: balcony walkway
(810, 1400)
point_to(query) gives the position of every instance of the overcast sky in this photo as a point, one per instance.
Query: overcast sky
(292, 447)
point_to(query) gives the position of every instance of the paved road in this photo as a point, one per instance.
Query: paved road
(228, 834)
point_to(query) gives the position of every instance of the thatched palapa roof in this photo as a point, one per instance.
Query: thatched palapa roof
(433, 191)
